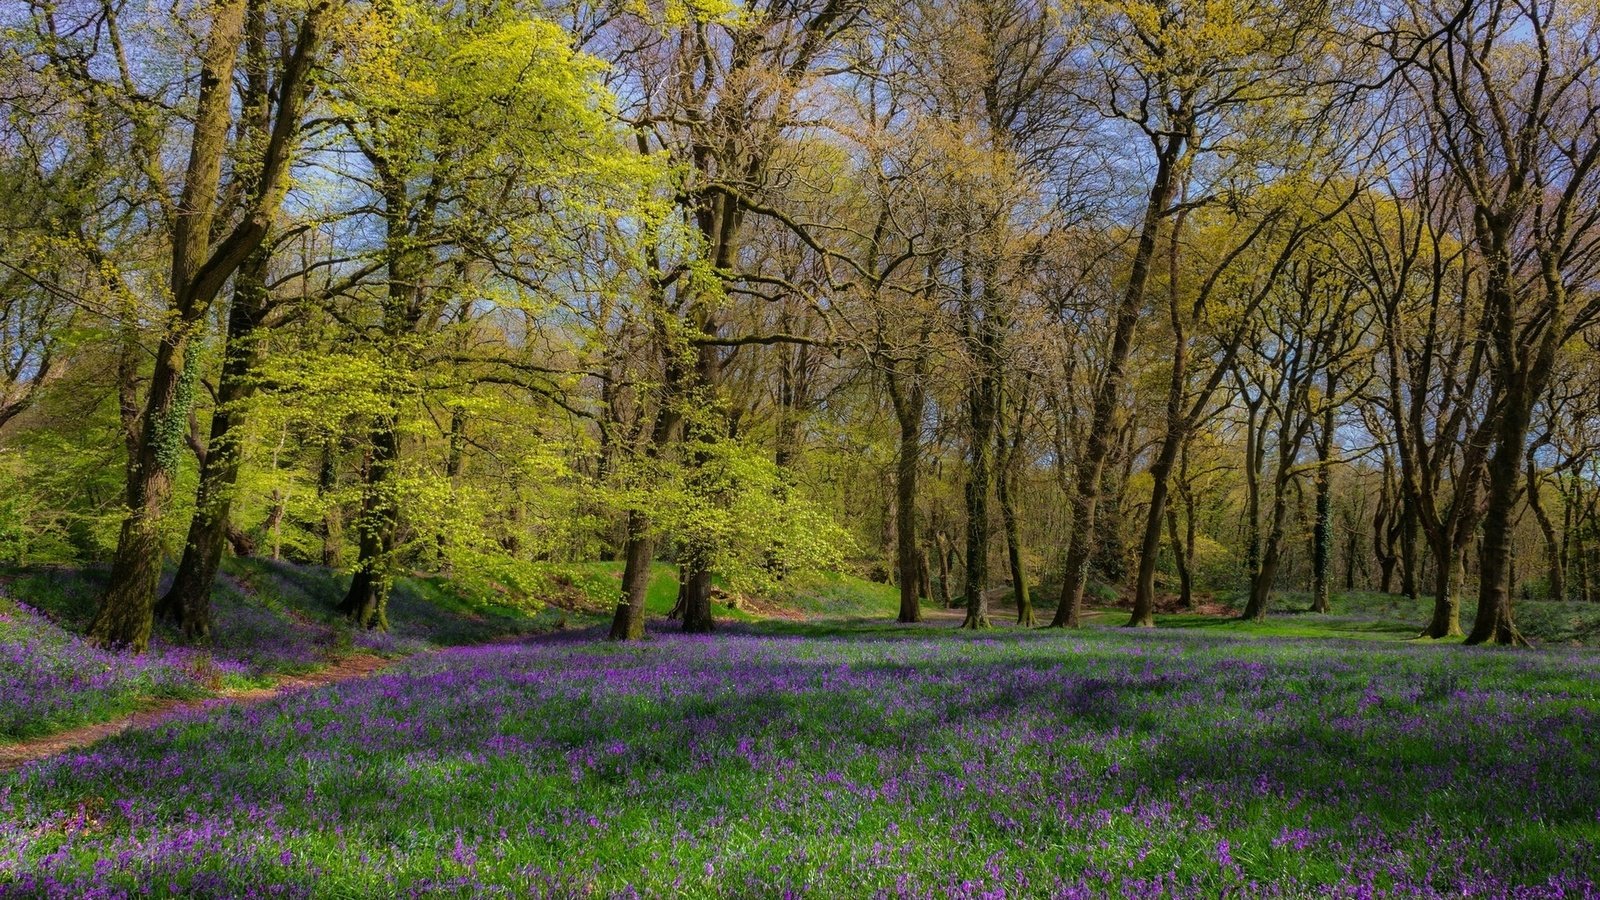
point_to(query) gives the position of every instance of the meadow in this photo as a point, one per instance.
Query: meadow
(273, 619)
(822, 759)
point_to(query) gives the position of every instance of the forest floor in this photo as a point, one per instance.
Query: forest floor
(860, 759)
(828, 752)
(274, 625)
(355, 665)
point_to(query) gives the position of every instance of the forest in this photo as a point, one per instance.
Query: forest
(481, 447)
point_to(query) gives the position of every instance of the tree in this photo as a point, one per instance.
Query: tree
(1422, 282)
(482, 139)
(1174, 74)
(1506, 90)
(213, 231)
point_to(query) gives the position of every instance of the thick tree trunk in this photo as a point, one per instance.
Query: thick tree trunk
(126, 610)
(628, 622)
(1448, 576)
(977, 539)
(983, 402)
(1494, 623)
(1254, 460)
(188, 601)
(1111, 556)
(1261, 586)
(697, 602)
(366, 603)
(1177, 426)
(1008, 450)
(908, 559)
(1410, 555)
(1266, 576)
(1322, 532)
(1144, 596)
(126, 613)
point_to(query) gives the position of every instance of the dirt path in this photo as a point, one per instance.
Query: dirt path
(358, 665)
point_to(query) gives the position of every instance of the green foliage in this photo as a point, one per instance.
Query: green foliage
(172, 427)
(735, 510)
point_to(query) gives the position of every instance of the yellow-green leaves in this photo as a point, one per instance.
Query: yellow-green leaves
(736, 510)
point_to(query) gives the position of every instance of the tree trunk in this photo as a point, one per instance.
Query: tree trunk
(1091, 464)
(1265, 578)
(1352, 553)
(1009, 458)
(628, 622)
(1552, 542)
(1019, 578)
(1386, 565)
(188, 601)
(125, 615)
(1261, 586)
(982, 400)
(1410, 558)
(1494, 623)
(977, 539)
(907, 557)
(697, 601)
(126, 611)
(366, 603)
(1322, 539)
(1254, 459)
(201, 265)
(1384, 531)
(1586, 575)
(1177, 426)
(943, 553)
(681, 601)
(1144, 595)
(1448, 575)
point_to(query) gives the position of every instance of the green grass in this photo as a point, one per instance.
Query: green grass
(269, 620)
(278, 618)
(839, 596)
(819, 595)
(1369, 615)
(853, 761)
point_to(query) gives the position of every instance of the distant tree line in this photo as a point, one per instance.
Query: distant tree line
(1022, 298)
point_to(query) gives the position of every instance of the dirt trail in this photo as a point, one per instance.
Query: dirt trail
(358, 665)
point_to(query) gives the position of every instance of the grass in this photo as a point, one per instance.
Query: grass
(843, 761)
(274, 619)
(836, 596)
(51, 680)
(824, 595)
(1369, 615)
(271, 619)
